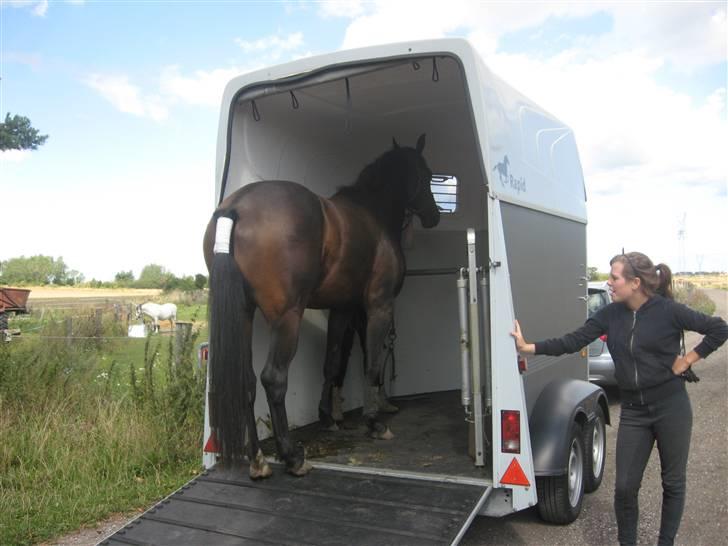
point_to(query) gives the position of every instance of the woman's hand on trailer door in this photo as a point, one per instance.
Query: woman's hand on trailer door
(521, 344)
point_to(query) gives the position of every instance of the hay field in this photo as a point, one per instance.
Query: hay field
(705, 280)
(72, 292)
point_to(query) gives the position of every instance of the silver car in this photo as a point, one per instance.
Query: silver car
(601, 365)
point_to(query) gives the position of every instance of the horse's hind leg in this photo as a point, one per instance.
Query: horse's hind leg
(378, 323)
(259, 468)
(339, 338)
(283, 343)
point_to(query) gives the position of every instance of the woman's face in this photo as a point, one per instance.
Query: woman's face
(621, 289)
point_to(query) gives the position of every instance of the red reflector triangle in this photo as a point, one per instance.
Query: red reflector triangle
(514, 474)
(211, 445)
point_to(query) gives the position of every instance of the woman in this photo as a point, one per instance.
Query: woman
(644, 326)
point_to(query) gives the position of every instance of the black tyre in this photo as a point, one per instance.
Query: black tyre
(3, 321)
(595, 449)
(560, 497)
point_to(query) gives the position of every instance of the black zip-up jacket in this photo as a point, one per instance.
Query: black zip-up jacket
(644, 344)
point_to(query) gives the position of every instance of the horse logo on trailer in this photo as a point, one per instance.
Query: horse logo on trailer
(507, 179)
(502, 169)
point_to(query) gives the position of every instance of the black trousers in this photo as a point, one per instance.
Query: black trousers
(670, 423)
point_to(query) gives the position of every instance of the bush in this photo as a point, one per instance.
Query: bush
(688, 294)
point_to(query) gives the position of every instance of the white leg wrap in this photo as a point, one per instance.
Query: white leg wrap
(223, 228)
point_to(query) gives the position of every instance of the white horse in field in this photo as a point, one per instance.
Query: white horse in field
(166, 311)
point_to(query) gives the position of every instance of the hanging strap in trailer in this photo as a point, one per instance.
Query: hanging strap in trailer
(329, 506)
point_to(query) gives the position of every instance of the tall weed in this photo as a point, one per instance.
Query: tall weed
(84, 436)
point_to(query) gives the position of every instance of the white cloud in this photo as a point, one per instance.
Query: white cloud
(202, 88)
(127, 97)
(650, 153)
(273, 46)
(13, 156)
(199, 88)
(37, 7)
(687, 34)
(41, 8)
(406, 20)
(341, 8)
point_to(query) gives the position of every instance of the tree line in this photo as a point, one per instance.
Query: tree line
(46, 270)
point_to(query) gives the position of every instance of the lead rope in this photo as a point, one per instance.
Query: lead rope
(389, 346)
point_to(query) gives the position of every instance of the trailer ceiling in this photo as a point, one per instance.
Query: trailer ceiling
(321, 129)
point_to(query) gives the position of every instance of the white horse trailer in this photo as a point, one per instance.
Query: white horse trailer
(477, 431)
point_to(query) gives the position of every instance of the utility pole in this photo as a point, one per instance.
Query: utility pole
(681, 234)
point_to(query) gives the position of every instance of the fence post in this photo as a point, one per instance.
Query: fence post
(182, 333)
(69, 330)
(98, 322)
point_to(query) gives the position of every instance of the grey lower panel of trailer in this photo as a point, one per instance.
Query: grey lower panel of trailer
(224, 507)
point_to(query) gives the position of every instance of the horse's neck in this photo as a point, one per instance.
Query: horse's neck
(384, 206)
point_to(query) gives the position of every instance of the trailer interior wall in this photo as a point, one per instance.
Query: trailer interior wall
(324, 143)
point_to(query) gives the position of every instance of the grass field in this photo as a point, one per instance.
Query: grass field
(93, 426)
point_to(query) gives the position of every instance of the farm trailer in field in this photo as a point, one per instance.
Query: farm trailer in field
(477, 432)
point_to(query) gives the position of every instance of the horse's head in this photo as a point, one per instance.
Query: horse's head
(419, 198)
(137, 311)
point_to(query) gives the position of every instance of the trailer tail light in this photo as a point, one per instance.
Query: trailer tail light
(522, 364)
(510, 431)
(603, 337)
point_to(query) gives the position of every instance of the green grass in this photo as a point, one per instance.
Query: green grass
(92, 428)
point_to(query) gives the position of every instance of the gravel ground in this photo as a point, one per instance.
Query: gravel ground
(705, 521)
(93, 535)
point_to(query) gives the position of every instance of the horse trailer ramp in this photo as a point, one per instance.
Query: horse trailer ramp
(223, 506)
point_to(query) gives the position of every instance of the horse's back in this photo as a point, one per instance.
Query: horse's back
(277, 243)
(163, 311)
(168, 310)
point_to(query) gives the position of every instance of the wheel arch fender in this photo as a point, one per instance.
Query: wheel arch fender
(561, 403)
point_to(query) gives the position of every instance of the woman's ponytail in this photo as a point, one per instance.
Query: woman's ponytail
(664, 288)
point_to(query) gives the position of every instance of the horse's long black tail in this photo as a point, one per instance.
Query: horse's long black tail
(228, 376)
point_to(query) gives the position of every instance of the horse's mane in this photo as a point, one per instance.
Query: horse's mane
(372, 179)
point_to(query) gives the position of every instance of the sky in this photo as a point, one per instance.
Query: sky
(130, 92)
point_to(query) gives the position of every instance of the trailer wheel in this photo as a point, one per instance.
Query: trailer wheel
(3, 321)
(560, 497)
(595, 448)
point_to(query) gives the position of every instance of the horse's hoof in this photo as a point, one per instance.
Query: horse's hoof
(301, 470)
(386, 434)
(259, 468)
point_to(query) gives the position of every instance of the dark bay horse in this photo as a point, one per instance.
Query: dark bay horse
(278, 247)
(343, 325)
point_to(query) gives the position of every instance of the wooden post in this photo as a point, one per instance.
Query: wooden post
(69, 330)
(182, 334)
(98, 323)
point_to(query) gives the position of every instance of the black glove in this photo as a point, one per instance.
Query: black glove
(690, 376)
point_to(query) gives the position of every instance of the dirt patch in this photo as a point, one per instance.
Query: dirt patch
(93, 535)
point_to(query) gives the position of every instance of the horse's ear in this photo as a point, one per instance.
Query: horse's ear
(394, 144)
(420, 143)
